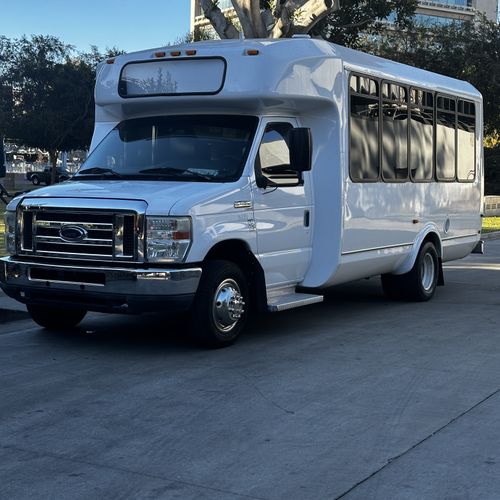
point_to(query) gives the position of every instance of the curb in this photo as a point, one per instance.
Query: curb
(493, 235)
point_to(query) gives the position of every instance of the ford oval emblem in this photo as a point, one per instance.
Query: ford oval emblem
(72, 234)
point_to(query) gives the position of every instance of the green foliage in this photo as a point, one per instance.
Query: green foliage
(51, 89)
(357, 18)
(198, 35)
(492, 171)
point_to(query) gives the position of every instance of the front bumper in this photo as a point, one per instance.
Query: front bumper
(107, 289)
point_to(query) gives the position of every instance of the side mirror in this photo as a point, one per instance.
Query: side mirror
(3, 165)
(300, 144)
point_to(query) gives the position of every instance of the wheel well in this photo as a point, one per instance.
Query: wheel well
(239, 253)
(434, 239)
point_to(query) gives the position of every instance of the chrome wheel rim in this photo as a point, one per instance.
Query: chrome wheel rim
(228, 305)
(428, 272)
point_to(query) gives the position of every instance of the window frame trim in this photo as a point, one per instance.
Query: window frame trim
(256, 162)
(124, 95)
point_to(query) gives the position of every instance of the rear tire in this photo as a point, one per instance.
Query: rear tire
(35, 180)
(420, 283)
(53, 318)
(221, 304)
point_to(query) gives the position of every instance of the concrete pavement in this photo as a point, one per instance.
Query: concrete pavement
(11, 310)
(358, 397)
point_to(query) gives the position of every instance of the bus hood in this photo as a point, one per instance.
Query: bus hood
(160, 196)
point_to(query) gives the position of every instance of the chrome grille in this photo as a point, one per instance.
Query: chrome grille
(100, 235)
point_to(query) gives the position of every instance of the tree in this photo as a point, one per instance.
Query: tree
(465, 50)
(6, 96)
(334, 20)
(356, 19)
(52, 88)
(268, 18)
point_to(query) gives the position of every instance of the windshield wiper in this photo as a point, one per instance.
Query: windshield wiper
(175, 171)
(98, 171)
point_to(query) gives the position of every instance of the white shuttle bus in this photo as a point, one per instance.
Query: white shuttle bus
(231, 176)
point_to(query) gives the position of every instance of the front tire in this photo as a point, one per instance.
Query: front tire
(220, 307)
(419, 284)
(35, 180)
(53, 318)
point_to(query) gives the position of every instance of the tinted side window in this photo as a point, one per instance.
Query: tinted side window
(445, 138)
(421, 135)
(274, 154)
(394, 132)
(364, 129)
(466, 141)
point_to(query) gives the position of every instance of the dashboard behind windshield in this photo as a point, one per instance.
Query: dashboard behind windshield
(206, 148)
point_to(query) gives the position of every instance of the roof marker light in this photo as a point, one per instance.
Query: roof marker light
(252, 52)
(190, 52)
(110, 61)
(160, 54)
(175, 53)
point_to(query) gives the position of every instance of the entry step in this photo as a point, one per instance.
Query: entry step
(284, 302)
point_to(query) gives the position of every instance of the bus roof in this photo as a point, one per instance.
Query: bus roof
(291, 73)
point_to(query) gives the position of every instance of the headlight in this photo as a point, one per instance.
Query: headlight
(168, 238)
(10, 232)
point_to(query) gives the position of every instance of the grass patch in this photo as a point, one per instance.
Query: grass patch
(491, 224)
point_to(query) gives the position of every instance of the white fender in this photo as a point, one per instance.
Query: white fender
(409, 262)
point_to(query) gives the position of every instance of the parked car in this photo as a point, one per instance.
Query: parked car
(44, 177)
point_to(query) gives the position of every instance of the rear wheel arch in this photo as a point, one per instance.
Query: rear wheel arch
(429, 234)
(419, 283)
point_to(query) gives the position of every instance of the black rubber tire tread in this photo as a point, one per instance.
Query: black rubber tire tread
(412, 281)
(408, 286)
(52, 318)
(203, 329)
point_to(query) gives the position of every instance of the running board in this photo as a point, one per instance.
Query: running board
(292, 300)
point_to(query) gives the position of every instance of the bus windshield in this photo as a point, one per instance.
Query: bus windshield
(194, 148)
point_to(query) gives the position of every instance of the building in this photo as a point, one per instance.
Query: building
(443, 11)
(428, 11)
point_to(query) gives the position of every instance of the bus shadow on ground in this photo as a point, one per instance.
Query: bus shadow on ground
(154, 331)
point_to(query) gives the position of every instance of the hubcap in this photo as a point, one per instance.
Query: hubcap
(428, 271)
(228, 306)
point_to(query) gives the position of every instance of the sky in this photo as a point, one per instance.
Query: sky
(129, 25)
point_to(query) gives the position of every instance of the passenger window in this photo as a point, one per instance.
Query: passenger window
(364, 130)
(273, 159)
(445, 138)
(394, 132)
(421, 135)
(466, 141)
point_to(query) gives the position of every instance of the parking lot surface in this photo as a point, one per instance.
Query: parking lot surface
(358, 397)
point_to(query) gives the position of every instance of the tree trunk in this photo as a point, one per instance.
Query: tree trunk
(53, 154)
(311, 13)
(249, 15)
(223, 26)
(287, 18)
(299, 16)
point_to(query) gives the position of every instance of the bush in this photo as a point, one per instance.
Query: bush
(492, 171)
